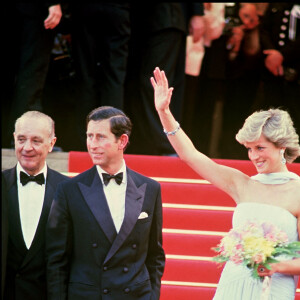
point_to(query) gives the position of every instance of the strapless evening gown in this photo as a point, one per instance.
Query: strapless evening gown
(236, 282)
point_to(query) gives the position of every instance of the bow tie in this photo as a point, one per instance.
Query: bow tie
(118, 178)
(39, 179)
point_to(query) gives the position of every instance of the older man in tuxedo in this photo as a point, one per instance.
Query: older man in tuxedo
(30, 188)
(104, 234)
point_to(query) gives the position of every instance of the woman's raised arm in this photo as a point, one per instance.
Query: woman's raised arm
(225, 178)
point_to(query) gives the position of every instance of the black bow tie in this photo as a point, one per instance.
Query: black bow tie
(118, 178)
(40, 179)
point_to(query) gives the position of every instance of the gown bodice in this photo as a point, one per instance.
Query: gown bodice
(276, 215)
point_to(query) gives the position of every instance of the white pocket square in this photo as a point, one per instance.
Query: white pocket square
(143, 215)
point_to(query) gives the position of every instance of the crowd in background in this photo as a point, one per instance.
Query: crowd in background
(105, 53)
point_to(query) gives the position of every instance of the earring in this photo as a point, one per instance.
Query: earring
(283, 160)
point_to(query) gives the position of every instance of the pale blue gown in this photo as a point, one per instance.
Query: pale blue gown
(236, 282)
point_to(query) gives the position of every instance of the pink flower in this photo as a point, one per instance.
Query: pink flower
(271, 237)
(259, 258)
(237, 259)
(239, 247)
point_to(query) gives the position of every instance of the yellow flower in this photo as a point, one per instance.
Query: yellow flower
(257, 248)
(228, 244)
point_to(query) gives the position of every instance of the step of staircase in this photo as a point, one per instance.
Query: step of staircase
(195, 244)
(189, 291)
(202, 193)
(197, 219)
(191, 269)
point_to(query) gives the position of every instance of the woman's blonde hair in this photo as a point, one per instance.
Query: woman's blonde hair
(277, 126)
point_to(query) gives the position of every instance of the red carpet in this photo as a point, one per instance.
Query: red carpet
(194, 244)
(195, 216)
(197, 219)
(192, 193)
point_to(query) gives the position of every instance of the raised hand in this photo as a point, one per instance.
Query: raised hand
(162, 92)
(54, 17)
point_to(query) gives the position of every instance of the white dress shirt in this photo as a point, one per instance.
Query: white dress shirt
(115, 196)
(31, 200)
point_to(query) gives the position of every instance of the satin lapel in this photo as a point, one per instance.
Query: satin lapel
(14, 220)
(133, 206)
(96, 200)
(39, 237)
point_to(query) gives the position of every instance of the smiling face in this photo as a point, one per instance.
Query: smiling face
(265, 156)
(33, 143)
(104, 148)
(248, 15)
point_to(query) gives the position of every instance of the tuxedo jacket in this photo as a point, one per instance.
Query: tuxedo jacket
(26, 268)
(274, 30)
(87, 259)
(4, 233)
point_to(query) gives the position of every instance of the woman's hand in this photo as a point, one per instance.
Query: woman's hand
(162, 92)
(263, 271)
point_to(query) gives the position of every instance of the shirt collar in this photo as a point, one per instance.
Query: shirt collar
(122, 169)
(20, 168)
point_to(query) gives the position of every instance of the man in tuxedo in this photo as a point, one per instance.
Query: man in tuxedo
(30, 188)
(104, 234)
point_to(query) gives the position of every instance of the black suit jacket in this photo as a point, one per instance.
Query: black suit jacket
(274, 29)
(4, 233)
(87, 259)
(26, 268)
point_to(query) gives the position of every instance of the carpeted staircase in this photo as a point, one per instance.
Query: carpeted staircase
(195, 217)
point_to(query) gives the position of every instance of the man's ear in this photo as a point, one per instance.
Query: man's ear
(123, 141)
(52, 143)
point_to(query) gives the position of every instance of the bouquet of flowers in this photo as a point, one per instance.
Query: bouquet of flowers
(255, 244)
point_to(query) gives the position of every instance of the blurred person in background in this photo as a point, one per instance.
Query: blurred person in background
(30, 42)
(100, 45)
(159, 32)
(280, 43)
(224, 92)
